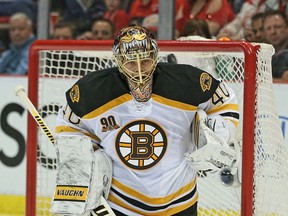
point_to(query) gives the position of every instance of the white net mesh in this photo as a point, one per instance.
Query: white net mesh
(59, 69)
(271, 155)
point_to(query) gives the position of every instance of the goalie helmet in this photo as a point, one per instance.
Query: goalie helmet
(136, 54)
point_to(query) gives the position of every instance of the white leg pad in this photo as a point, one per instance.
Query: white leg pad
(83, 176)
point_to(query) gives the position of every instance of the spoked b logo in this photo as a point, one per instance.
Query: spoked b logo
(141, 144)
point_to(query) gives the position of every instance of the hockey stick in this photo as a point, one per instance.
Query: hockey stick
(103, 209)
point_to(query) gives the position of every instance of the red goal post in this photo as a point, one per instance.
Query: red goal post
(55, 65)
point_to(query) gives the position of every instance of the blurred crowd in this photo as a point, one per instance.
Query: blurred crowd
(260, 21)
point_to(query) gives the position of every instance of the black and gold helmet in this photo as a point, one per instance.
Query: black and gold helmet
(135, 45)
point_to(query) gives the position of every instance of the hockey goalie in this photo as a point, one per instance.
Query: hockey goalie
(153, 125)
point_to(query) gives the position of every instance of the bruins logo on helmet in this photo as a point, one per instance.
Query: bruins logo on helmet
(134, 38)
(205, 81)
(141, 144)
(75, 94)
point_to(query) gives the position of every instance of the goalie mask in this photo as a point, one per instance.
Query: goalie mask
(136, 54)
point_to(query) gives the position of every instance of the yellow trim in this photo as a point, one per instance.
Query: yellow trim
(234, 107)
(12, 205)
(68, 129)
(221, 212)
(43, 205)
(116, 102)
(173, 103)
(154, 201)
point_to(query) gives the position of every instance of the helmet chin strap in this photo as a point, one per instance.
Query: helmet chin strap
(139, 69)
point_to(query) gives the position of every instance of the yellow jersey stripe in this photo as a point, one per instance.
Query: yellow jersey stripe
(214, 110)
(166, 212)
(108, 106)
(173, 103)
(149, 200)
(68, 129)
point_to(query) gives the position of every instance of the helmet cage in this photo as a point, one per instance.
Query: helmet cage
(138, 58)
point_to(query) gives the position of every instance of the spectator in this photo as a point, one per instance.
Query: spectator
(2, 48)
(81, 13)
(4, 38)
(143, 8)
(236, 5)
(116, 14)
(15, 59)
(196, 27)
(276, 33)
(63, 31)
(248, 33)
(136, 21)
(29, 7)
(264, 6)
(257, 26)
(235, 29)
(9, 7)
(151, 24)
(102, 29)
(215, 12)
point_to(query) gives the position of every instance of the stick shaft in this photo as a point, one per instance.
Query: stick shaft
(33, 111)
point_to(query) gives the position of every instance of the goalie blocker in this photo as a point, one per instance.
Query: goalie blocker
(211, 136)
(83, 177)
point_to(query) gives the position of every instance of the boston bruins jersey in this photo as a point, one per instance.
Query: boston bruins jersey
(146, 141)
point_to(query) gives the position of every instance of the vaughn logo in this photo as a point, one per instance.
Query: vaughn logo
(70, 193)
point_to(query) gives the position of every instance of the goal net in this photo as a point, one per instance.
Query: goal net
(54, 66)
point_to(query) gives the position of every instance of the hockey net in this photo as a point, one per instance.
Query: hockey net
(55, 65)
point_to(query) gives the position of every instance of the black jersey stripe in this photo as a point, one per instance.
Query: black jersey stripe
(146, 207)
(230, 114)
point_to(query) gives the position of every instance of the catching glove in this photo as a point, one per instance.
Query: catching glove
(213, 152)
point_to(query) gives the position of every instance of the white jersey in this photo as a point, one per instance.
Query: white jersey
(146, 141)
